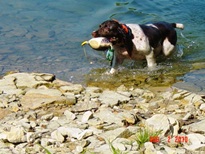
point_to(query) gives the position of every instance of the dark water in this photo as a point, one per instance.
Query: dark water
(45, 35)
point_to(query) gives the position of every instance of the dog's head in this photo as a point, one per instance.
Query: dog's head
(116, 33)
(109, 29)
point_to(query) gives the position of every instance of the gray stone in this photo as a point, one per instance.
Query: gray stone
(75, 88)
(70, 97)
(196, 142)
(85, 106)
(116, 133)
(187, 116)
(69, 115)
(36, 98)
(84, 134)
(47, 117)
(149, 148)
(195, 127)
(44, 77)
(111, 98)
(164, 123)
(57, 135)
(15, 135)
(93, 91)
(202, 107)
(30, 137)
(107, 115)
(86, 116)
(70, 131)
(26, 80)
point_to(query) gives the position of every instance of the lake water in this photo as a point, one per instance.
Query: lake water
(46, 35)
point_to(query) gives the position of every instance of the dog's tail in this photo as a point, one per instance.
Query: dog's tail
(178, 25)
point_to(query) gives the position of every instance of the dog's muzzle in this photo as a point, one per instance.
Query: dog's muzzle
(95, 34)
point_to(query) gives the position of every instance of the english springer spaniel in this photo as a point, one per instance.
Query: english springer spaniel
(139, 41)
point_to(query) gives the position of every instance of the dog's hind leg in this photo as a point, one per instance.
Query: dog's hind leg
(167, 47)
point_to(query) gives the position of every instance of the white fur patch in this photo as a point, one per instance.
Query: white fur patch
(151, 62)
(152, 25)
(167, 47)
(140, 40)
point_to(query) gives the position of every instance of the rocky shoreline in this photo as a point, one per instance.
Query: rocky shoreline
(42, 114)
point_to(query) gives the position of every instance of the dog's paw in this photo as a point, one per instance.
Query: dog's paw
(112, 71)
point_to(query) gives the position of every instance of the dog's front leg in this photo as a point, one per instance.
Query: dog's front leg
(151, 61)
(113, 65)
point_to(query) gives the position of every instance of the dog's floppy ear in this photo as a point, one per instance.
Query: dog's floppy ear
(127, 37)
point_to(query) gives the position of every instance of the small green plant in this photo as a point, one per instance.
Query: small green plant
(147, 135)
(46, 150)
(115, 150)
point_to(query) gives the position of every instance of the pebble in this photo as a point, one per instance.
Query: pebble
(69, 118)
(86, 116)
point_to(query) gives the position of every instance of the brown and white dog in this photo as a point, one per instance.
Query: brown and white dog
(138, 42)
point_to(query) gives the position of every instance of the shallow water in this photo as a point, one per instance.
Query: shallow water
(45, 36)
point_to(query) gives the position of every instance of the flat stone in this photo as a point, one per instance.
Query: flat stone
(85, 106)
(47, 117)
(69, 115)
(86, 116)
(116, 133)
(93, 91)
(36, 98)
(15, 135)
(106, 115)
(195, 127)
(25, 80)
(149, 148)
(163, 122)
(111, 98)
(75, 88)
(44, 77)
(196, 142)
(202, 107)
(4, 113)
(7, 86)
(70, 97)
(56, 135)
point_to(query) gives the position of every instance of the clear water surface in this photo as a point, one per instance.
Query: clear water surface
(46, 35)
